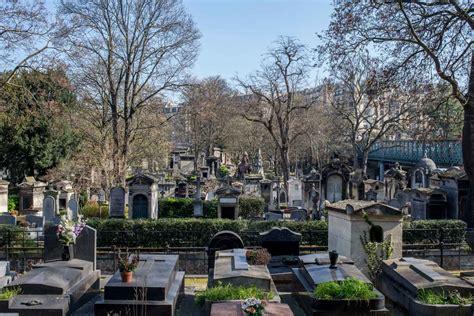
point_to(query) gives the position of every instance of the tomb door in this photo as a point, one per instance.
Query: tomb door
(140, 206)
(334, 188)
(228, 212)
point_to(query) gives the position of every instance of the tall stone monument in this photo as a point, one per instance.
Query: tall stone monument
(117, 202)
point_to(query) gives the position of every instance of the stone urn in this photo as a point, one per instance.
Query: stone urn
(333, 255)
(126, 276)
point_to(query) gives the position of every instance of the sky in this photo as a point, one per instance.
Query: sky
(237, 33)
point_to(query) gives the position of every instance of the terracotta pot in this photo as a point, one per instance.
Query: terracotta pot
(126, 276)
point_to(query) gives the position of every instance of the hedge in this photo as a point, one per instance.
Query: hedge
(183, 207)
(251, 206)
(189, 232)
(429, 231)
(91, 210)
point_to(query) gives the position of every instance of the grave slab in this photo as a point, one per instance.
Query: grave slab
(155, 288)
(402, 279)
(315, 271)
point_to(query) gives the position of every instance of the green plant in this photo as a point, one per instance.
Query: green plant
(349, 289)
(376, 252)
(127, 265)
(179, 232)
(13, 203)
(183, 207)
(223, 171)
(91, 210)
(430, 230)
(8, 293)
(251, 206)
(227, 292)
(258, 257)
(453, 297)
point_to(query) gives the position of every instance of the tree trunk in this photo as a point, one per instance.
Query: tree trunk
(468, 146)
(285, 166)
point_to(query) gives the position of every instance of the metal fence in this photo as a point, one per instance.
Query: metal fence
(448, 248)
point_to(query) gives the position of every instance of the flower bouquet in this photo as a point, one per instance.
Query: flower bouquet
(253, 306)
(67, 232)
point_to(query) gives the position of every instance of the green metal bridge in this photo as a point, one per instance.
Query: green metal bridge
(446, 153)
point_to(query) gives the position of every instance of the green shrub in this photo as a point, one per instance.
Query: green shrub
(223, 171)
(184, 232)
(349, 289)
(8, 293)
(183, 207)
(91, 210)
(13, 202)
(429, 231)
(444, 297)
(229, 292)
(251, 206)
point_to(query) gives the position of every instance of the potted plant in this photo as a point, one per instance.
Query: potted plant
(67, 232)
(258, 257)
(127, 264)
(253, 306)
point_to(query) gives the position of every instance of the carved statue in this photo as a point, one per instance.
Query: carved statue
(244, 166)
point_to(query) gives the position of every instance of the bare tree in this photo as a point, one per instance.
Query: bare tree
(427, 39)
(137, 50)
(24, 31)
(206, 105)
(275, 95)
(371, 103)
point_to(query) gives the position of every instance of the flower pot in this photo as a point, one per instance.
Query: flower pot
(126, 276)
(68, 253)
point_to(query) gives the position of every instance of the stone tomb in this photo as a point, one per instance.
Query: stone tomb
(222, 240)
(315, 270)
(401, 279)
(57, 287)
(231, 267)
(347, 225)
(155, 288)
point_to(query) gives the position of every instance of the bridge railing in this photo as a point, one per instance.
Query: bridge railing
(444, 153)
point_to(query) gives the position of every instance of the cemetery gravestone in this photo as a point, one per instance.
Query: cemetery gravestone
(57, 287)
(315, 271)
(231, 267)
(117, 203)
(402, 279)
(35, 221)
(223, 240)
(49, 209)
(273, 216)
(298, 215)
(154, 290)
(72, 209)
(7, 219)
(281, 241)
